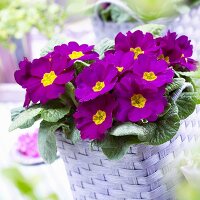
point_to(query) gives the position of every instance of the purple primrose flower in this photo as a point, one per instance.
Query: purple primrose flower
(135, 103)
(74, 52)
(46, 78)
(21, 77)
(136, 42)
(95, 80)
(122, 61)
(94, 118)
(177, 51)
(152, 73)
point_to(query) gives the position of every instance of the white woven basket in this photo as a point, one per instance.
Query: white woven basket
(145, 172)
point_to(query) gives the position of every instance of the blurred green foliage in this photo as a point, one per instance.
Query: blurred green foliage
(187, 192)
(27, 187)
(146, 10)
(115, 14)
(149, 10)
(18, 17)
(193, 1)
(79, 7)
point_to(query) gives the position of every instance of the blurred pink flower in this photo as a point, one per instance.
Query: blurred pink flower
(27, 145)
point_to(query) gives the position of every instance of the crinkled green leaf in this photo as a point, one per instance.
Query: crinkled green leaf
(194, 74)
(105, 45)
(54, 114)
(30, 122)
(26, 118)
(16, 111)
(47, 140)
(72, 134)
(186, 104)
(128, 129)
(176, 84)
(149, 131)
(198, 97)
(164, 128)
(115, 147)
(167, 108)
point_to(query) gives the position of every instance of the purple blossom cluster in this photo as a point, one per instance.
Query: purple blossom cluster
(45, 78)
(127, 85)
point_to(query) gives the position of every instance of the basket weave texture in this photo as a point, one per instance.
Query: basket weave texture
(145, 172)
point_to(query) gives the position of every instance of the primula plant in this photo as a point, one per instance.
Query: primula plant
(136, 89)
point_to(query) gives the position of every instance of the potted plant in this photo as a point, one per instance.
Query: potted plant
(118, 111)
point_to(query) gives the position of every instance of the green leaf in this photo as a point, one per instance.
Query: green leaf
(75, 135)
(68, 98)
(197, 97)
(149, 131)
(193, 78)
(80, 65)
(119, 15)
(167, 108)
(26, 118)
(186, 104)
(128, 129)
(104, 45)
(195, 74)
(54, 114)
(164, 128)
(115, 147)
(70, 92)
(51, 44)
(176, 84)
(72, 134)
(156, 29)
(105, 14)
(30, 122)
(16, 111)
(47, 140)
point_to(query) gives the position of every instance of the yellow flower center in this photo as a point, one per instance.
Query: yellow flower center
(48, 78)
(137, 51)
(98, 86)
(162, 57)
(120, 69)
(76, 54)
(138, 101)
(99, 117)
(149, 76)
